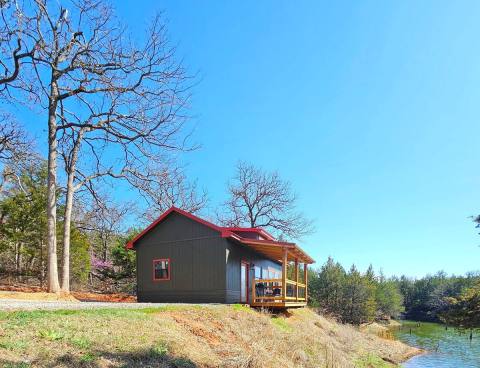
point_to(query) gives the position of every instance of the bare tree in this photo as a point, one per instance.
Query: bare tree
(14, 48)
(16, 150)
(262, 199)
(104, 220)
(121, 100)
(14, 142)
(167, 186)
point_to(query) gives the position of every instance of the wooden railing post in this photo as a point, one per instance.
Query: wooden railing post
(253, 291)
(305, 280)
(284, 274)
(296, 279)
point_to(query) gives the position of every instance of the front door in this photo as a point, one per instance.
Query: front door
(244, 282)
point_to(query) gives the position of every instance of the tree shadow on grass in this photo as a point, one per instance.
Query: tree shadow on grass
(102, 359)
(5, 363)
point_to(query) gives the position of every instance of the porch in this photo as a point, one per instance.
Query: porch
(271, 293)
(291, 289)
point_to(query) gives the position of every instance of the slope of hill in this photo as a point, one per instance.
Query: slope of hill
(189, 336)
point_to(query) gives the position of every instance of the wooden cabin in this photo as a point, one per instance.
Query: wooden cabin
(182, 258)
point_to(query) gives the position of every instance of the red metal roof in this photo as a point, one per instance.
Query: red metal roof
(225, 232)
(257, 230)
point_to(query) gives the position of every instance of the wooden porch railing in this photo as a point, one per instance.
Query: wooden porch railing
(273, 291)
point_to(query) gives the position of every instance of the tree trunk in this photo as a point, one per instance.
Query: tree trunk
(66, 235)
(18, 261)
(105, 250)
(31, 263)
(52, 272)
(42, 269)
(67, 221)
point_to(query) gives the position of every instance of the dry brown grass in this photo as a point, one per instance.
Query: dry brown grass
(27, 292)
(39, 295)
(220, 336)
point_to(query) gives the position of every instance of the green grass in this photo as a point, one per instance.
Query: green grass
(14, 344)
(23, 318)
(16, 365)
(241, 308)
(160, 350)
(51, 335)
(88, 357)
(81, 343)
(175, 336)
(281, 323)
(372, 361)
(167, 308)
(85, 335)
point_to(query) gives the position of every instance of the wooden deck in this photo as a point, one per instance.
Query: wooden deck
(271, 293)
(282, 293)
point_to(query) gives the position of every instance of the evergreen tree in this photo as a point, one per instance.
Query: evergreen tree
(80, 257)
(23, 219)
(331, 279)
(359, 293)
(388, 297)
(463, 311)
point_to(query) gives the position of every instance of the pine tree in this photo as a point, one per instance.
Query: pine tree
(360, 305)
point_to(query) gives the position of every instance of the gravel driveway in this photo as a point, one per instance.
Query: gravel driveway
(16, 304)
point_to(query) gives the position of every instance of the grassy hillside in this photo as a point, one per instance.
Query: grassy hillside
(217, 336)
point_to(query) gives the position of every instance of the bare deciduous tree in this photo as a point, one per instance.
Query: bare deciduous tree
(15, 150)
(14, 143)
(167, 186)
(13, 48)
(116, 102)
(262, 199)
(105, 220)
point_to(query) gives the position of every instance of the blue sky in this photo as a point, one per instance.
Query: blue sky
(371, 110)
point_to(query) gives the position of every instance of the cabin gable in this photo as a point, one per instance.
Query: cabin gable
(196, 255)
(176, 227)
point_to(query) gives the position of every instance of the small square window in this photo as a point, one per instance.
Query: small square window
(161, 269)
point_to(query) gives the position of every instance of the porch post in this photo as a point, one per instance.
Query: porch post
(296, 279)
(305, 278)
(284, 274)
(252, 301)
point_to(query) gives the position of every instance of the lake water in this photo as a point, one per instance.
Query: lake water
(446, 348)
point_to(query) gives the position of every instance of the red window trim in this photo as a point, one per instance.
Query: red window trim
(153, 269)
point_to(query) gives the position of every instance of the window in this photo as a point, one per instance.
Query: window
(161, 269)
(274, 273)
(258, 272)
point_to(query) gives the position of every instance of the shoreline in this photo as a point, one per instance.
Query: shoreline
(395, 324)
(414, 354)
(385, 330)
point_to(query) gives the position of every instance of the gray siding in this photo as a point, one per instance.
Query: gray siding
(197, 256)
(204, 267)
(236, 254)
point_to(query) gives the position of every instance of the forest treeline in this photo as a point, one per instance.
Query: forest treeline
(100, 229)
(355, 297)
(352, 296)
(99, 260)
